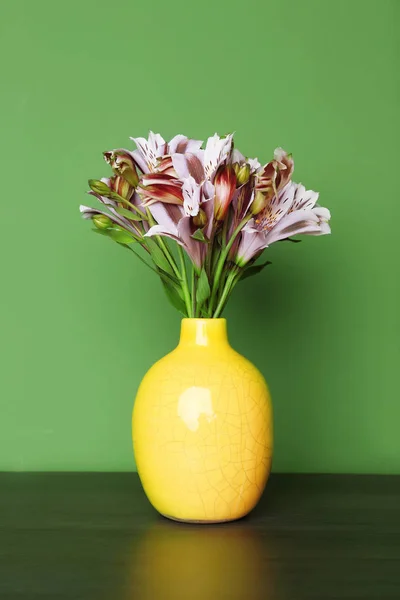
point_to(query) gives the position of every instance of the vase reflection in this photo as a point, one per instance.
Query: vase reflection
(209, 562)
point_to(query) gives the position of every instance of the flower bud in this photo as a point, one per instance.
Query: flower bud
(122, 164)
(225, 186)
(259, 203)
(236, 168)
(99, 187)
(243, 175)
(200, 219)
(122, 187)
(102, 221)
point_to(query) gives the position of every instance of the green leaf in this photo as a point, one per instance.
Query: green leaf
(118, 235)
(121, 236)
(203, 288)
(128, 214)
(199, 235)
(250, 271)
(167, 277)
(174, 296)
(158, 256)
(105, 232)
(114, 196)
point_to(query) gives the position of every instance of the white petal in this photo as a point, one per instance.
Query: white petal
(254, 164)
(251, 243)
(85, 209)
(303, 199)
(322, 212)
(237, 156)
(279, 153)
(161, 230)
(150, 149)
(293, 224)
(189, 164)
(181, 144)
(167, 215)
(139, 160)
(191, 197)
(324, 229)
(180, 165)
(174, 143)
(156, 141)
(208, 190)
(216, 151)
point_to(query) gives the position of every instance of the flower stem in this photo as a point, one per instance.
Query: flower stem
(125, 201)
(221, 262)
(164, 246)
(227, 289)
(193, 293)
(185, 287)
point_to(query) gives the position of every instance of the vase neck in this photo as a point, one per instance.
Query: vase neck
(203, 332)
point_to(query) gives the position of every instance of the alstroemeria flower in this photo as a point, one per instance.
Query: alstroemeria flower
(178, 223)
(148, 151)
(292, 212)
(149, 154)
(274, 176)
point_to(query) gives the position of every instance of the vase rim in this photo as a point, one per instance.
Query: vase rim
(203, 332)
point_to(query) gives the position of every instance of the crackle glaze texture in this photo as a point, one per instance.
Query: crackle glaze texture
(202, 428)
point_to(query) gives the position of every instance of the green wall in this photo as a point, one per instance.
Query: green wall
(81, 321)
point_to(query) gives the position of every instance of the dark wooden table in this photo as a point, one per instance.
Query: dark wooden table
(70, 535)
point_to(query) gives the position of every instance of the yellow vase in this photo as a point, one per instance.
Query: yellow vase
(202, 428)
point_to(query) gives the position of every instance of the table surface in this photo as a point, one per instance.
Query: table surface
(94, 535)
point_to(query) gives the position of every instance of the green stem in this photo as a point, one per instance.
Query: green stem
(193, 293)
(222, 259)
(225, 294)
(169, 256)
(224, 230)
(183, 278)
(119, 198)
(164, 247)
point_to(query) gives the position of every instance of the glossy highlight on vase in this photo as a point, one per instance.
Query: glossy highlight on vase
(202, 428)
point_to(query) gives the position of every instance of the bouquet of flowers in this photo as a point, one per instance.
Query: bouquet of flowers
(220, 209)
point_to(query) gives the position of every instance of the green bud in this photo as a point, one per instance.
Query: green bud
(243, 174)
(258, 203)
(102, 222)
(122, 187)
(236, 168)
(99, 187)
(200, 219)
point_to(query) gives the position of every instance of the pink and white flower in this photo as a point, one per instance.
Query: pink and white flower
(292, 212)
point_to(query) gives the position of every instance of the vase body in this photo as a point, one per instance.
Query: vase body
(202, 428)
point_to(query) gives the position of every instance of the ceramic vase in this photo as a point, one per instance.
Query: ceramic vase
(202, 428)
